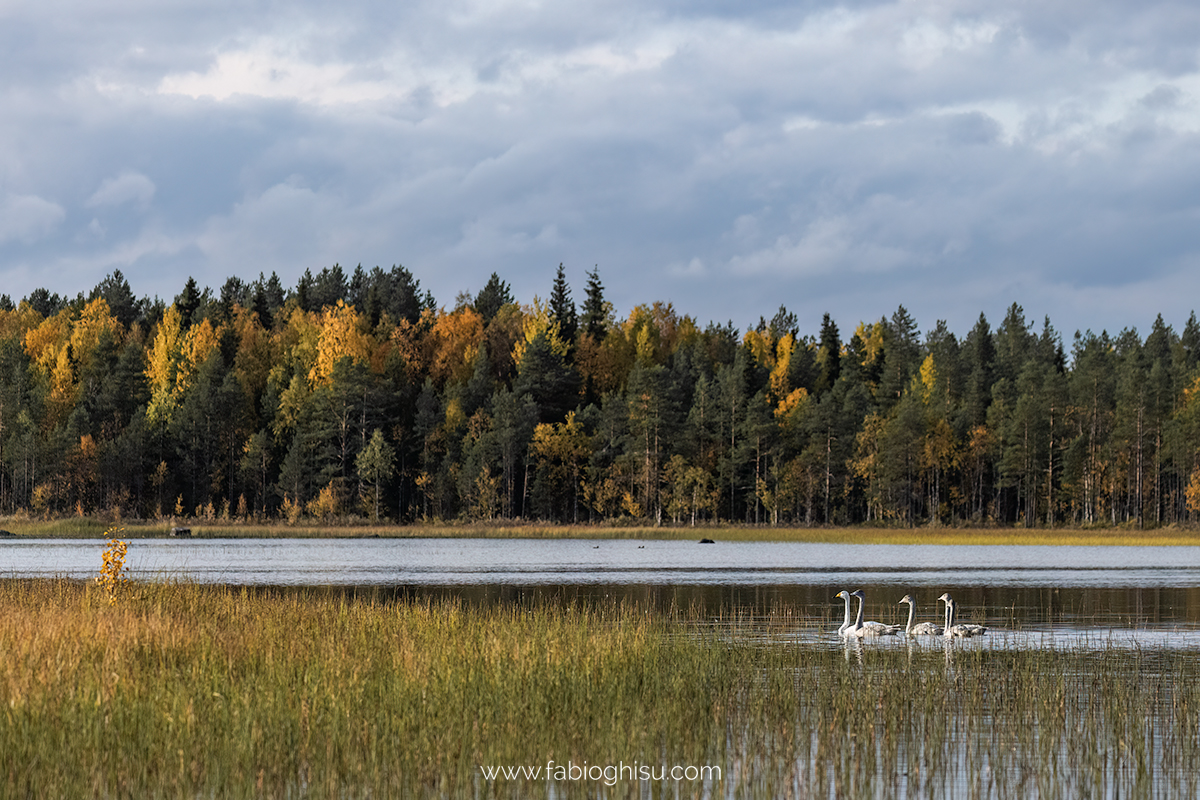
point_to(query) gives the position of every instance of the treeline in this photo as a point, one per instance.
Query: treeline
(356, 395)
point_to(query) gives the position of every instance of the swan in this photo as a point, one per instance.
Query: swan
(921, 628)
(862, 629)
(848, 625)
(963, 631)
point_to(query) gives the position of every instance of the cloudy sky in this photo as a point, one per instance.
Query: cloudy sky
(725, 155)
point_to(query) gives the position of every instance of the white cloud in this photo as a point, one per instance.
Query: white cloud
(28, 218)
(267, 70)
(127, 188)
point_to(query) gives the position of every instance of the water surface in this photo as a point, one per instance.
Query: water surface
(1020, 589)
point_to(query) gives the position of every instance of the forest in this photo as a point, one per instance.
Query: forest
(357, 397)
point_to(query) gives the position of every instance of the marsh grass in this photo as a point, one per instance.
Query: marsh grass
(184, 690)
(87, 527)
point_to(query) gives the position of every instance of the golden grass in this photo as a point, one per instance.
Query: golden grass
(203, 691)
(87, 527)
(183, 689)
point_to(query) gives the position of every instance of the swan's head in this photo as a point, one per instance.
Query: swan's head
(906, 599)
(859, 594)
(844, 594)
(945, 599)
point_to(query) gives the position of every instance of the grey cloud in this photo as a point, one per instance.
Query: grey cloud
(28, 218)
(726, 156)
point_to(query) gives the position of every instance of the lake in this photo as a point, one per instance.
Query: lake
(1020, 591)
(1083, 686)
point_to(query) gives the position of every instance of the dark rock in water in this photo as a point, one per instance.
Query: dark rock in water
(6, 534)
(707, 541)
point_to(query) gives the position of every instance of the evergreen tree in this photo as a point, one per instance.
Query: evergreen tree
(546, 377)
(375, 466)
(595, 309)
(188, 302)
(260, 306)
(273, 290)
(492, 297)
(1190, 342)
(1013, 341)
(234, 292)
(328, 287)
(562, 310)
(44, 302)
(980, 356)
(304, 292)
(829, 356)
(115, 291)
(901, 357)
(785, 322)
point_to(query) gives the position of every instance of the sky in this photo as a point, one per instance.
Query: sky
(728, 156)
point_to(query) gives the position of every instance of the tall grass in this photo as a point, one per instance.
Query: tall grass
(182, 690)
(188, 689)
(89, 527)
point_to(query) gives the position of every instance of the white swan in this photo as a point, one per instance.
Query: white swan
(921, 628)
(862, 629)
(848, 624)
(963, 631)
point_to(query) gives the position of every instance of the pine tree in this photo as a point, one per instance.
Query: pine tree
(44, 302)
(375, 465)
(1189, 340)
(327, 288)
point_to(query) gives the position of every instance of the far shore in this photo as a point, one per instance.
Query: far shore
(93, 527)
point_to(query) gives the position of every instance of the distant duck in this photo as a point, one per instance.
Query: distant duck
(963, 631)
(921, 628)
(863, 629)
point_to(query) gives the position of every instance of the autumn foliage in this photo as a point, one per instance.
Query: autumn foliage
(358, 396)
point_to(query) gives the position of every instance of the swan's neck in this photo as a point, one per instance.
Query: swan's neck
(912, 612)
(858, 622)
(949, 614)
(846, 622)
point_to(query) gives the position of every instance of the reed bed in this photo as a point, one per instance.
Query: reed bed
(202, 691)
(93, 527)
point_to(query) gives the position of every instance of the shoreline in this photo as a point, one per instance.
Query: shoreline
(93, 528)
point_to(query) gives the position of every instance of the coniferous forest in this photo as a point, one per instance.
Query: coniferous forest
(357, 396)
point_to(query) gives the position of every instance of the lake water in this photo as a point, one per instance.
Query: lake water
(1134, 610)
(1020, 591)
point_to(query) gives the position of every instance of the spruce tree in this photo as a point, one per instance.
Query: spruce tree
(829, 355)
(188, 301)
(116, 292)
(562, 309)
(594, 311)
(492, 297)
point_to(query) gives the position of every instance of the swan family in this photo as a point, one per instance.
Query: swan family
(853, 627)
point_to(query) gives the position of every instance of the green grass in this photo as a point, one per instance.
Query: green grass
(184, 690)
